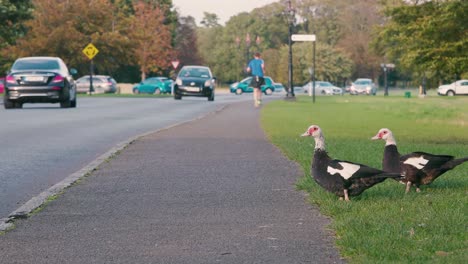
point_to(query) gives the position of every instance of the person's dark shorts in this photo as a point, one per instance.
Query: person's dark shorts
(257, 81)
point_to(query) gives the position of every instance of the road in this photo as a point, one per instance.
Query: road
(42, 144)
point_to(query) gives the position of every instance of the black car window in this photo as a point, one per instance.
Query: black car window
(36, 64)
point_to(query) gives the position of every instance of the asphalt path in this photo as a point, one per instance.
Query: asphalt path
(42, 144)
(213, 190)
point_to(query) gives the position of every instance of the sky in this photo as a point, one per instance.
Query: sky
(223, 8)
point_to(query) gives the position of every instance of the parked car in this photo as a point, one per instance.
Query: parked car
(2, 85)
(101, 84)
(244, 86)
(456, 88)
(39, 80)
(154, 85)
(324, 88)
(279, 87)
(195, 81)
(363, 86)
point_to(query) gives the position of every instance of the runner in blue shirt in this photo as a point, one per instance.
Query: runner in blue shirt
(257, 68)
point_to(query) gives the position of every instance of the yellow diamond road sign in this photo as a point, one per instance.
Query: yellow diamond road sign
(90, 51)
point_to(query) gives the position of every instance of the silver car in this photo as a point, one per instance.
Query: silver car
(101, 84)
(363, 86)
(324, 88)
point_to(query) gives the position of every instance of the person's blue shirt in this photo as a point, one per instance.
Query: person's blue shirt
(255, 66)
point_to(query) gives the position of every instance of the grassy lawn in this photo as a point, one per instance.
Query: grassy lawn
(384, 225)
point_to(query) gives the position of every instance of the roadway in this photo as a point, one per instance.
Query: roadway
(42, 144)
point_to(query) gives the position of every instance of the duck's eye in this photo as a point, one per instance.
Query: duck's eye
(385, 132)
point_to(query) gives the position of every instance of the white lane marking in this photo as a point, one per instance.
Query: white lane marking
(418, 162)
(347, 171)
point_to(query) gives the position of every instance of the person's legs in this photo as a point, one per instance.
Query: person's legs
(259, 95)
(255, 97)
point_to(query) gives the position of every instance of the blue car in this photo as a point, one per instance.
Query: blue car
(243, 86)
(154, 85)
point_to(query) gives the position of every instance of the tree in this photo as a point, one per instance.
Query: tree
(428, 38)
(152, 38)
(210, 20)
(185, 37)
(12, 15)
(53, 32)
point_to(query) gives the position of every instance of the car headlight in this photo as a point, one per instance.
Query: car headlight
(368, 88)
(178, 81)
(207, 83)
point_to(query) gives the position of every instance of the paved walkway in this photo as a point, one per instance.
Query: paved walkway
(209, 191)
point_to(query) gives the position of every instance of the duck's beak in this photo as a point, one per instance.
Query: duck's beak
(376, 137)
(306, 134)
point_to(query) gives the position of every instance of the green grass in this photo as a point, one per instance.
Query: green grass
(384, 225)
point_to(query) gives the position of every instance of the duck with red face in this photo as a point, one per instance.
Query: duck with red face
(419, 168)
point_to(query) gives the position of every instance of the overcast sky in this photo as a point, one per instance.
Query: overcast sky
(223, 8)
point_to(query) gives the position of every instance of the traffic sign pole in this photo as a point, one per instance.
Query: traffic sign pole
(90, 51)
(303, 37)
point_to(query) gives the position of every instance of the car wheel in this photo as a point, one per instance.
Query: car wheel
(18, 105)
(157, 91)
(177, 96)
(7, 103)
(238, 91)
(268, 91)
(65, 103)
(450, 93)
(136, 91)
(211, 96)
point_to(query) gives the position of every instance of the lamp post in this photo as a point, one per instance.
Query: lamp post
(247, 47)
(384, 67)
(290, 13)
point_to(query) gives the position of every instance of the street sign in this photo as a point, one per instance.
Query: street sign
(302, 37)
(90, 51)
(175, 63)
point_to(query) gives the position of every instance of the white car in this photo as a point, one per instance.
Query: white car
(458, 87)
(324, 88)
(363, 86)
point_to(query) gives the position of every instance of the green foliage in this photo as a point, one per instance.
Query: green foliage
(112, 26)
(430, 37)
(383, 225)
(13, 14)
(210, 20)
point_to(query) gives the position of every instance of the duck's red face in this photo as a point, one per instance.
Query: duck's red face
(382, 134)
(311, 131)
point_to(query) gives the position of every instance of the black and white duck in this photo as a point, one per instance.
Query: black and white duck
(343, 178)
(419, 168)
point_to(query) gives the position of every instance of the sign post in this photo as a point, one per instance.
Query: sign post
(175, 64)
(90, 51)
(303, 37)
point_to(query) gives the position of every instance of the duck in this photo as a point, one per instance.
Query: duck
(419, 168)
(343, 178)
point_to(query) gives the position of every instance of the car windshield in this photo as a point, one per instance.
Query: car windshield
(362, 82)
(195, 72)
(35, 64)
(326, 84)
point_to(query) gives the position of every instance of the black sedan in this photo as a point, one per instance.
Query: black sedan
(39, 80)
(195, 81)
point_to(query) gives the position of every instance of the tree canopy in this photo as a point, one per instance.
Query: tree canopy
(429, 38)
(137, 38)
